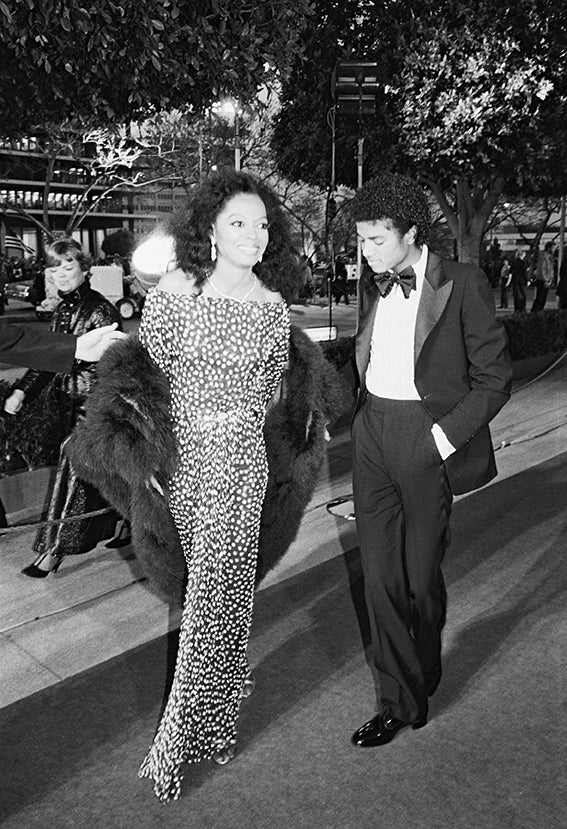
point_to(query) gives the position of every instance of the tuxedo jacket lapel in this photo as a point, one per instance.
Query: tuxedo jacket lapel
(367, 315)
(435, 294)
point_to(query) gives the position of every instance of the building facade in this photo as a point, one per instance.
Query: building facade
(24, 170)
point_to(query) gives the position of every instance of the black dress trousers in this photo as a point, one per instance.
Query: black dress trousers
(402, 503)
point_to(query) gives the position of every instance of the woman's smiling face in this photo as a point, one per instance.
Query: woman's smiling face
(66, 272)
(240, 231)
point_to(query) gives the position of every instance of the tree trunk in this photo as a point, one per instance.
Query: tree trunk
(468, 248)
(468, 218)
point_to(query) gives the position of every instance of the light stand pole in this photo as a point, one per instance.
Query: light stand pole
(231, 108)
(330, 212)
(355, 86)
(360, 162)
(354, 89)
(561, 237)
(236, 137)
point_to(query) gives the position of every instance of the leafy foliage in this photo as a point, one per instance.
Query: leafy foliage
(184, 146)
(121, 60)
(120, 243)
(472, 100)
(534, 335)
(471, 88)
(480, 90)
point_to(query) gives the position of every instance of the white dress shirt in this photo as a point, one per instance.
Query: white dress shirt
(391, 367)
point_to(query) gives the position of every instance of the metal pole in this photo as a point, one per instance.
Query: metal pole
(359, 184)
(201, 160)
(359, 179)
(330, 219)
(236, 139)
(561, 237)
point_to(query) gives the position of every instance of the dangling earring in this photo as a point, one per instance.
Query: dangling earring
(213, 251)
(260, 258)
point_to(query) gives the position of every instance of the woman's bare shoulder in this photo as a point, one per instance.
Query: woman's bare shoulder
(270, 296)
(176, 282)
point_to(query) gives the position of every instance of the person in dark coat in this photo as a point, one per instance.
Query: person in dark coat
(340, 282)
(545, 274)
(519, 280)
(505, 280)
(46, 351)
(561, 289)
(80, 310)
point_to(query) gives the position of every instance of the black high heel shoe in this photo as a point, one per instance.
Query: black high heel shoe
(225, 755)
(249, 684)
(34, 571)
(121, 538)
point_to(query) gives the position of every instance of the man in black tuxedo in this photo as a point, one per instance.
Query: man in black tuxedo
(48, 351)
(433, 370)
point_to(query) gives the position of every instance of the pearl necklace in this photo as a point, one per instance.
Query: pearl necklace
(233, 298)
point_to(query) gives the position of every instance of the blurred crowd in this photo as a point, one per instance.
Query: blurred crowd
(517, 271)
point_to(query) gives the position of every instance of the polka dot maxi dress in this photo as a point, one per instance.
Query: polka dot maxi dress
(224, 360)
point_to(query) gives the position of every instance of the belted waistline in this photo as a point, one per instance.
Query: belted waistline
(389, 404)
(216, 415)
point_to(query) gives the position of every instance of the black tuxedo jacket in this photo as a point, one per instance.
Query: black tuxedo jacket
(42, 350)
(462, 367)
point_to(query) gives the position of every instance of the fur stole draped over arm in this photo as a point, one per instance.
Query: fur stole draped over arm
(127, 436)
(295, 433)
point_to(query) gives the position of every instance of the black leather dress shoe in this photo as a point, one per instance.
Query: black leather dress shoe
(382, 728)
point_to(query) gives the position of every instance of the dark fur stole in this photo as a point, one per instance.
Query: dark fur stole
(127, 436)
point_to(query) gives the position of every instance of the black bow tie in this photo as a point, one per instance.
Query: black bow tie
(405, 279)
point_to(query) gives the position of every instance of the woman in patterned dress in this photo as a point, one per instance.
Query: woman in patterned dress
(217, 325)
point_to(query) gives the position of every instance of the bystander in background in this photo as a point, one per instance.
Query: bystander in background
(505, 279)
(545, 274)
(81, 309)
(339, 285)
(561, 290)
(519, 280)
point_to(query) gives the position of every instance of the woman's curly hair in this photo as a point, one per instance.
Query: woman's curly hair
(63, 246)
(395, 198)
(191, 229)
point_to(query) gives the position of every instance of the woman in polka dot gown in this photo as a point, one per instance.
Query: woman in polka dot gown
(218, 326)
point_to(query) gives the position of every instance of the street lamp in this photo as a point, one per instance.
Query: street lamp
(354, 88)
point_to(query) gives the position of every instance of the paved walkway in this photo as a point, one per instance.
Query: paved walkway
(98, 606)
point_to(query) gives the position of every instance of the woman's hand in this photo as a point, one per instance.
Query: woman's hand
(92, 345)
(13, 403)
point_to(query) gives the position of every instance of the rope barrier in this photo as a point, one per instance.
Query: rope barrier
(20, 528)
(543, 373)
(68, 607)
